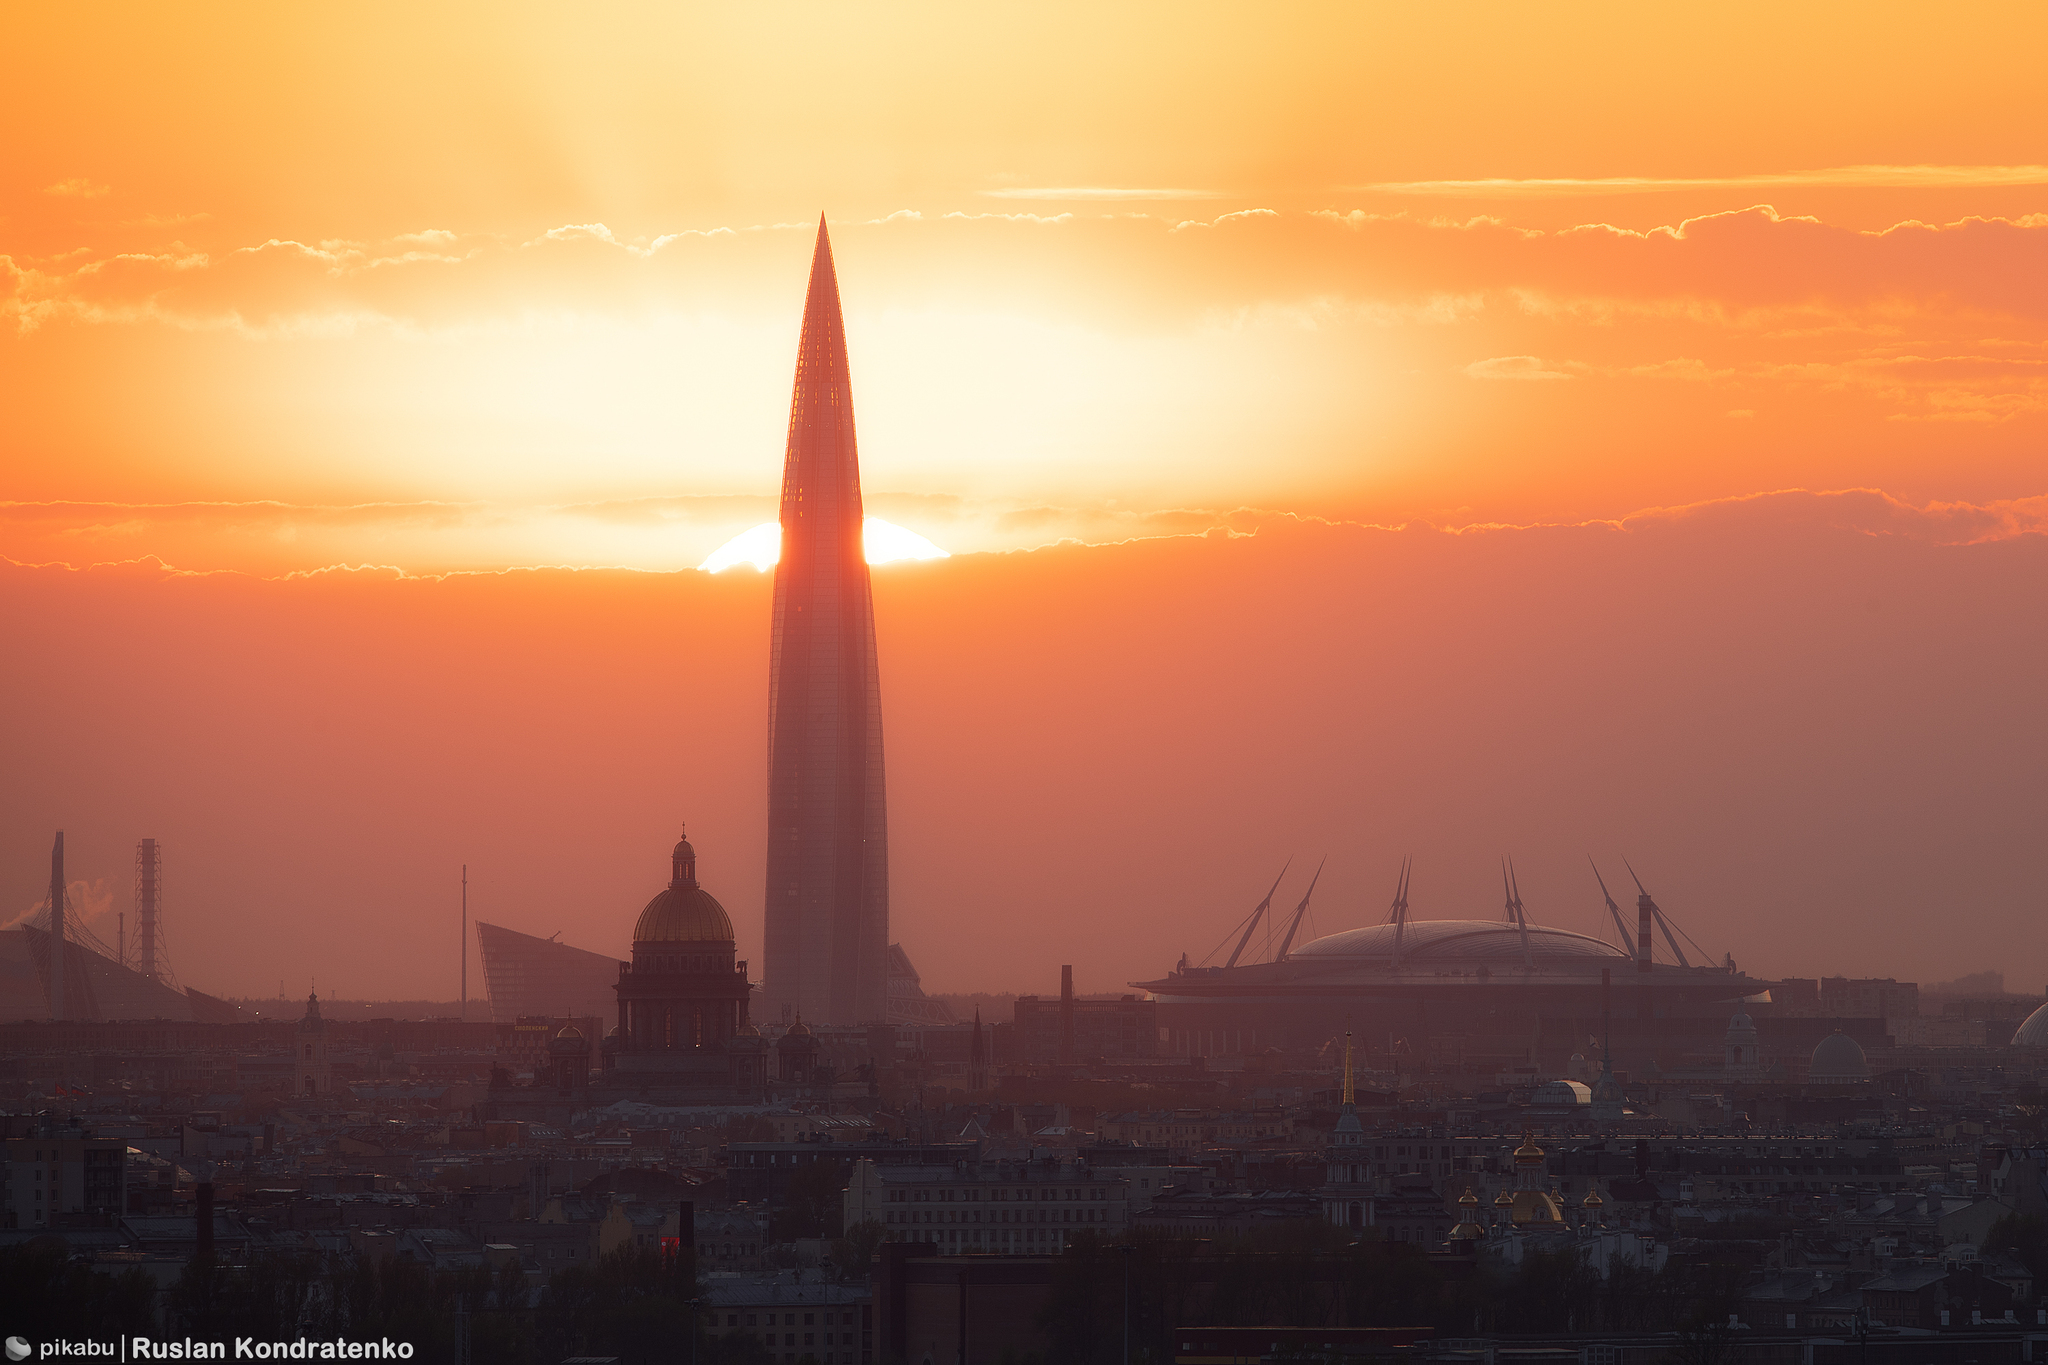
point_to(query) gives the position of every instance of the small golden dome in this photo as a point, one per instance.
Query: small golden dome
(799, 1029)
(684, 913)
(1528, 1152)
(1468, 1198)
(1504, 1200)
(569, 1034)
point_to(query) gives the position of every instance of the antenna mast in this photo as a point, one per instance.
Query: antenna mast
(465, 943)
(1299, 911)
(1258, 914)
(1645, 908)
(1511, 886)
(1399, 915)
(1613, 910)
(1347, 1069)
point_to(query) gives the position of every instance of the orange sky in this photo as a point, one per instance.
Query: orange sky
(487, 287)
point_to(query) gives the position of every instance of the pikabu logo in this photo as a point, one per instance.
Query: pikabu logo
(18, 1349)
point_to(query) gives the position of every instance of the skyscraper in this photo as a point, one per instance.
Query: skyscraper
(827, 948)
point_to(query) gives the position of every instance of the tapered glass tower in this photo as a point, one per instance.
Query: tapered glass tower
(828, 843)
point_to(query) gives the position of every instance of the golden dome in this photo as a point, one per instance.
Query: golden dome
(683, 913)
(1469, 1198)
(1592, 1199)
(1536, 1206)
(569, 1034)
(1528, 1152)
(1504, 1200)
(799, 1029)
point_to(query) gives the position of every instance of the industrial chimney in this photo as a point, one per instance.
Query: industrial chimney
(1066, 1016)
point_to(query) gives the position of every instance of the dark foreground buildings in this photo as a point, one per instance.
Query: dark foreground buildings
(827, 944)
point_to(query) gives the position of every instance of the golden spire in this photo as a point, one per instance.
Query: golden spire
(1347, 1068)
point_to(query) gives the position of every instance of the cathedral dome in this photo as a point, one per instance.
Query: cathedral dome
(685, 913)
(2033, 1032)
(1838, 1060)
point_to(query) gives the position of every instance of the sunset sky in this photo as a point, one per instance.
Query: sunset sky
(1486, 429)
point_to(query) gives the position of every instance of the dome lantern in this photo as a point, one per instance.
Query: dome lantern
(684, 912)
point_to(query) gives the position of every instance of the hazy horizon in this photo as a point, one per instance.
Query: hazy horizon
(1360, 432)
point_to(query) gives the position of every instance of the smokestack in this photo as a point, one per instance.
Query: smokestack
(1644, 1009)
(148, 869)
(204, 1213)
(1606, 1019)
(1066, 1015)
(57, 928)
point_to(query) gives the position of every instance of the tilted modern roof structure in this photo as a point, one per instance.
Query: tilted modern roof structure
(528, 976)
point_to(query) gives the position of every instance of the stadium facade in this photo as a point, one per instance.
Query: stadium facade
(1421, 979)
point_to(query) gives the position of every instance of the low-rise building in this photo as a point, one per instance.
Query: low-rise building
(792, 1315)
(1001, 1206)
(1182, 1131)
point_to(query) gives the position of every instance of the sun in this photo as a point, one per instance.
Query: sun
(762, 546)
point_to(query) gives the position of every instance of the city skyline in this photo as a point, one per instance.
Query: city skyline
(1360, 432)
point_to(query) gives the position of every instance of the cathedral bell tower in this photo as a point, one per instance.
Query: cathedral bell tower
(311, 1075)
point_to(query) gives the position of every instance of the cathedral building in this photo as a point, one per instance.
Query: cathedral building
(1348, 1185)
(684, 1033)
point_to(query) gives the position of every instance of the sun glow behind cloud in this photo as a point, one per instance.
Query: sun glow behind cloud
(762, 546)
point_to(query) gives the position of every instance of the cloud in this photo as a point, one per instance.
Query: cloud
(77, 189)
(1013, 217)
(1513, 367)
(1867, 511)
(1840, 177)
(1097, 192)
(1239, 216)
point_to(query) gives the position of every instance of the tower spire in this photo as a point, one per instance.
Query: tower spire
(827, 889)
(1348, 1095)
